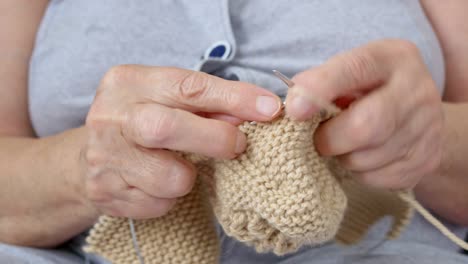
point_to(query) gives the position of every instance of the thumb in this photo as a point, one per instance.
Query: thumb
(344, 75)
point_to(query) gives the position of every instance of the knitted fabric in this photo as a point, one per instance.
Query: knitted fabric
(280, 193)
(185, 235)
(277, 196)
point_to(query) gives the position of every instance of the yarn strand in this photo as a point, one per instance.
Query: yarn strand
(434, 221)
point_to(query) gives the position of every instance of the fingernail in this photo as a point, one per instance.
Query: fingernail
(241, 142)
(267, 105)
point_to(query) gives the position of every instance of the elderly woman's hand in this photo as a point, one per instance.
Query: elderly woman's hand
(141, 113)
(390, 136)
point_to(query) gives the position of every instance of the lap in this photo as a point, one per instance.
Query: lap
(25, 255)
(368, 252)
(411, 255)
(235, 252)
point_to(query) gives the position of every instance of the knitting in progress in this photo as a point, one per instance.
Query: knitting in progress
(277, 196)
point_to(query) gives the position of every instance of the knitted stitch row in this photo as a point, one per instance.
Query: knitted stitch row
(277, 196)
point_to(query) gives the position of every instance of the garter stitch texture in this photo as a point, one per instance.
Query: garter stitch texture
(277, 196)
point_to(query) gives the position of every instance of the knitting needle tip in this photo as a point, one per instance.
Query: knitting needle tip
(330, 108)
(283, 78)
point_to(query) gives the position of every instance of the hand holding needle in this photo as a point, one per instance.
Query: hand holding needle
(329, 107)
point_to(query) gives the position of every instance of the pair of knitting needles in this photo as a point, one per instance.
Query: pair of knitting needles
(324, 106)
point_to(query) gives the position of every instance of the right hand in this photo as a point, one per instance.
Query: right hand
(140, 113)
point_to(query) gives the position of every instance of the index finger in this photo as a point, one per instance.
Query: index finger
(359, 70)
(200, 92)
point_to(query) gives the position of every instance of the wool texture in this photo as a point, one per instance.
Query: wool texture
(278, 196)
(186, 234)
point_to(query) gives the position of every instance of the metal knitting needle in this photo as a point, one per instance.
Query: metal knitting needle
(135, 241)
(330, 108)
(287, 81)
(282, 77)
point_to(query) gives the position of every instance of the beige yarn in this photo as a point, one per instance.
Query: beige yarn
(277, 196)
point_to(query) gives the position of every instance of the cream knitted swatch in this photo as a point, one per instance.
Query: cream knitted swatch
(277, 196)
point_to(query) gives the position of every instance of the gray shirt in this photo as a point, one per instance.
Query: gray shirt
(80, 40)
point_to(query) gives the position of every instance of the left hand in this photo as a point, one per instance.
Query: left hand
(391, 135)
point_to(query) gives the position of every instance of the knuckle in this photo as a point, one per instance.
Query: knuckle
(362, 128)
(95, 108)
(429, 92)
(357, 66)
(426, 93)
(119, 75)
(97, 119)
(159, 129)
(92, 122)
(193, 85)
(372, 125)
(404, 47)
(95, 157)
(96, 192)
(232, 100)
